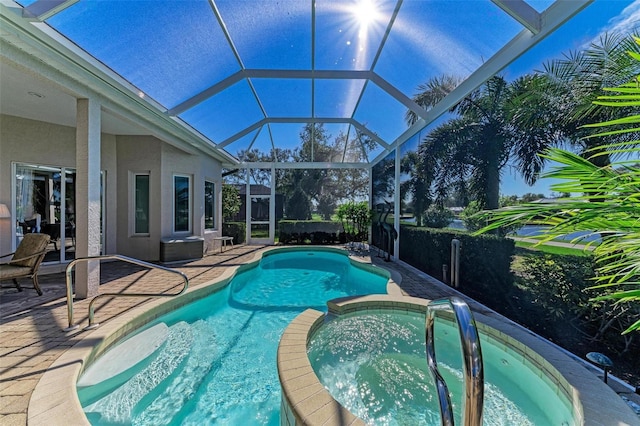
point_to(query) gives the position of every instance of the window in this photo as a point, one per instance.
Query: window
(141, 194)
(181, 203)
(209, 205)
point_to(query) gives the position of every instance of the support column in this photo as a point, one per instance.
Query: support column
(396, 205)
(370, 177)
(247, 209)
(87, 196)
(272, 206)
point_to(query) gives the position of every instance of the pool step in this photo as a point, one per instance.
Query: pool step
(119, 364)
(167, 403)
(117, 406)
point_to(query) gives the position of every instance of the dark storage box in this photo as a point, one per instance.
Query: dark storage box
(173, 249)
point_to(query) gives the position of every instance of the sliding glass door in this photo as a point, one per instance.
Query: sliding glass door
(45, 202)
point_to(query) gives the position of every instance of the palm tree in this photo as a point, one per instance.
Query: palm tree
(517, 121)
(553, 106)
(610, 205)
(470, 150)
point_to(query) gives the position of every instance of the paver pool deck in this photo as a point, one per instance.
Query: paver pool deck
(31, 326)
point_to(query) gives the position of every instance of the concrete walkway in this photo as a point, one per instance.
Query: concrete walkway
(31, 335)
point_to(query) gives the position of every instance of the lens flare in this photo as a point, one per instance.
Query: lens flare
(366, 13)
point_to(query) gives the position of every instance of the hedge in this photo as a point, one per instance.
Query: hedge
(485, 260)
(315, 231)
(237, 230)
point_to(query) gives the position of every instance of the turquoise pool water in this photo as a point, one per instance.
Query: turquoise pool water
(218, 362)
(375, 365)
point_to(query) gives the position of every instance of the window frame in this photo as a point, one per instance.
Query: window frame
(212, 205)
(189, 203)
(133, 203)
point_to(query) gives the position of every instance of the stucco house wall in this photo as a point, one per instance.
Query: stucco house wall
(139, 154)
(35, 142)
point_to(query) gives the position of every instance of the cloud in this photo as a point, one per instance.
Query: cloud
(627, 21)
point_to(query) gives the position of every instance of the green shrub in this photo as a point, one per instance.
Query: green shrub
(230, 201)
(237, 230)
(437, 217)
(471, 218)
(314, 231)
(558, 283)
(355, 219)
(557, 290)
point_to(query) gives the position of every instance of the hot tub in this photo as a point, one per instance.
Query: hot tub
(364, 363)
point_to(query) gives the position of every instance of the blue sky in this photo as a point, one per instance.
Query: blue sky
(601, 16)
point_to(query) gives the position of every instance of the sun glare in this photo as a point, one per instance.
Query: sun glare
(366, 13)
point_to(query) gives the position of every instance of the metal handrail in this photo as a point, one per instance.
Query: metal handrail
(68, 280)
(472, 362)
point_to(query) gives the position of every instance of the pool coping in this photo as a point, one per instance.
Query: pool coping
(305, 401)
(55, 395)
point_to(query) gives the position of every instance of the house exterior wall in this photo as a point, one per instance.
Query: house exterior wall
(198, 168)
(36, 142)
(40, 143)
(139, 154)
(211, 171)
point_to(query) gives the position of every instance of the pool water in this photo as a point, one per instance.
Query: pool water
(218, 363)
(375, 365)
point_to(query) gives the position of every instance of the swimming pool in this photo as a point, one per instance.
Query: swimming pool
(216, 360)
(373, 362)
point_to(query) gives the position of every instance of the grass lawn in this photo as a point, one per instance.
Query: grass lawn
(552, 249)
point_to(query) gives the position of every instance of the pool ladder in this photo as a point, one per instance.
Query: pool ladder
(138, 262)
(471, 360)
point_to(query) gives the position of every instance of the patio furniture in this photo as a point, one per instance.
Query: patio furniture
(26, 260)
(177, 249)
(223, 242)
(53, 230)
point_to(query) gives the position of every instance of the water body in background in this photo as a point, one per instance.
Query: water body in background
(534, 231)
(527, 231)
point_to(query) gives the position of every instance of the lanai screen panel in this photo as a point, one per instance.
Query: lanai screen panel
(381, 113)
(284, 97)
(269, 34)
(171, 50)
(337, 98)
(232, 69)
(432, 38)
(222, 116)
(349, 33)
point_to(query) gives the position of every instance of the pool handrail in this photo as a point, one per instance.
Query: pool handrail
(472, 362)
(139, 262)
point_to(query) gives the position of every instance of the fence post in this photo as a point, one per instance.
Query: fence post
(455, 262)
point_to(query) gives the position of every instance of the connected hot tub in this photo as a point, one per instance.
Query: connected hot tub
(364, 363)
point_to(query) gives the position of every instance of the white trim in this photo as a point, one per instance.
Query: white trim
(132, 203)
(103, 208)
(204, 203)
(189, 202)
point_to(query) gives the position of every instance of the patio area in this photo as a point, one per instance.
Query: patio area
(31, 336)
